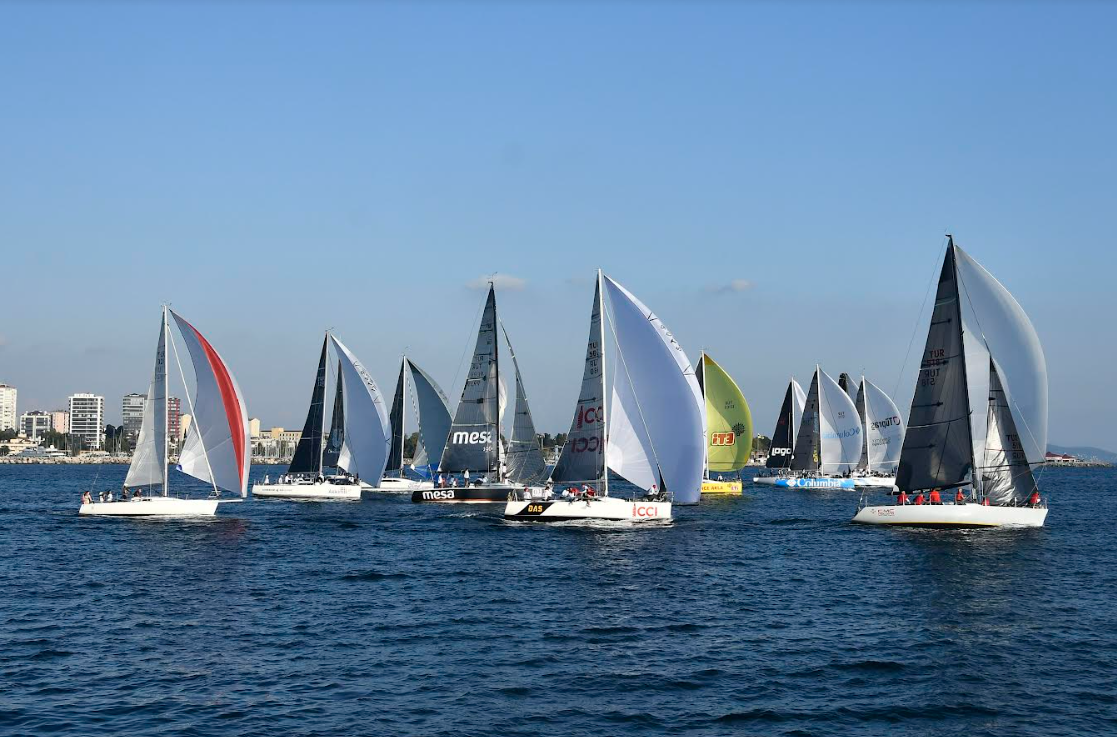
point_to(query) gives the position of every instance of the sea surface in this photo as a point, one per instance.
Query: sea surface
(767, 614)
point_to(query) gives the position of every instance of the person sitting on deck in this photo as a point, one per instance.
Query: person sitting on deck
(86, 498)
(902, 499)
(934, 497)
(1033, 500)
(108, 496)
(919, 499)
(137, 495)
(960, 497)
(124, 494)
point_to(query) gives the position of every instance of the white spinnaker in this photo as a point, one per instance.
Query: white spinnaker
(839, 427)
(669, 397)
(217, 449)
(800, 398)
(629, 450)
(994, 317)
(885, 429)
(368, 434)
(149, 460)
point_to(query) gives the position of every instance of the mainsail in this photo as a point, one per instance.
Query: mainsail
(524, 460)
(583, 456)
(396, 420)
(783, 437)
(367, 432)
(432, 415)
(884, 428)
(839, 427)
(807, 451)
(308, 453)
(149, 459)
(654, 366)
(474, 437)
(217, 447)
(728, 420)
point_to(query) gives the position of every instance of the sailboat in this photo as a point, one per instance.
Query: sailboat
(217, 449)
(475, 467)
(828, 443)
(728, 428)
(360, 428)
(432, 423)
(783, 437)
(882, 438)
(979, 413)
(650, 433)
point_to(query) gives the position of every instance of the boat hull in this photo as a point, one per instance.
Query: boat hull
(827, 482)
(951, 515)
(606, 509)
(393, 485)
(721, 488)
(154, 506)
(319, 492)
(486, 494)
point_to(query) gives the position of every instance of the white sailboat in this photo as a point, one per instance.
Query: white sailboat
(216, 450)
(978, 419)
(364, 429)
(431, 413)
(651, 433)
(882, 438)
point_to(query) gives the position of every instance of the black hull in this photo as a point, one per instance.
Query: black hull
(463, 495)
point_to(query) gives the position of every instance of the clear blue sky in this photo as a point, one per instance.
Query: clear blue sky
(275, 169)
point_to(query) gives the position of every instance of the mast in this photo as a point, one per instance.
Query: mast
(865, 425)
(604, 399)
(402, 411)
(974, 476)
(166, 420)
(818, 419)
(496, 369)
(706, 430)
(325, 393)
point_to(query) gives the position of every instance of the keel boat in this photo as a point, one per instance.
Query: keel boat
(728, 429)
(650, 433)
(216, 451)
(979, 413)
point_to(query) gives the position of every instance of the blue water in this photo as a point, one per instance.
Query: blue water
(765, 615)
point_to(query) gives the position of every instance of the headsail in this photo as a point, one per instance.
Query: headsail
(630, 452)
(807, 441)
(149, 459)
(783, 437)
(524, 461)
(308, 453)
(839, 427)
(884, 428)
(472, 441)
(367, 432)
(666, 391)
(847, 384)
(800, 407)
(395, 420)
(217, 448)
(1006, 475)
(432, 415)
(582, 458)
(728, 420)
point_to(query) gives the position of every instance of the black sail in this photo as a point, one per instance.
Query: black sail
(336, 439)
(472, 441)
(783, 444)
(938, 450)
(808, 443)
(309, 450)
(395, 418)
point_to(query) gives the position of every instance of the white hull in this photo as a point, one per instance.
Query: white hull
(952, 515)
(827, 482)
(396, 485)
(612, 509)
(322, 491)
(152, 506)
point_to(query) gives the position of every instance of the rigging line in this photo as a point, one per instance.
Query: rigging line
(465, 350)
(640, 409)
(193, 414)
(918, 319)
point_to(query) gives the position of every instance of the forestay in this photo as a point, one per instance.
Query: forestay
(367, 432)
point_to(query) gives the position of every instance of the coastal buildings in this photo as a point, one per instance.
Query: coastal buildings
(174, 420)
(60, 421)
(275, 443)
(35, 424)
(8, 407)
(87, 419)
(132, 414)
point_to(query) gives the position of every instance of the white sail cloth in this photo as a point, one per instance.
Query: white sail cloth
(666, 393)
(149, 459)
(367, 430)
(630, 452)
(800, 398)
(217, 448)
(839, 427)
(884, 430)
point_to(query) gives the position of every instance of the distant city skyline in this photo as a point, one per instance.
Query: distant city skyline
(773, 180)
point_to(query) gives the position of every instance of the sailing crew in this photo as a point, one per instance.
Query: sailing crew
(919, 498)
(108, 496)
(1033, 500)
(902, 499)
(935, 498)
(86, 498)
(124, 494)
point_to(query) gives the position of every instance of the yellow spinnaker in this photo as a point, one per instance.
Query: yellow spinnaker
(728, 420)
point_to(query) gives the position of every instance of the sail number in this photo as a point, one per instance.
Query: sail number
(927, 377)
(722, 438)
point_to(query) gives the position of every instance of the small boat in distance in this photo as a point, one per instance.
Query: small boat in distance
(216, 450)
(650, 433)
(359, 423)
(979, 413)
(728, 428)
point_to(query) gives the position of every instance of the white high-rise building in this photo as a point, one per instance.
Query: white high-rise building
(132, 415)
(87, 419)
(35, 424)
(8, 408)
